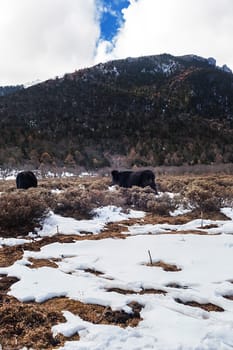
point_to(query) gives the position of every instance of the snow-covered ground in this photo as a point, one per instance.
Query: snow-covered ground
(11, 174)
(205, 275)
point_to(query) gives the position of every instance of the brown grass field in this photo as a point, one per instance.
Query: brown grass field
(29, 324)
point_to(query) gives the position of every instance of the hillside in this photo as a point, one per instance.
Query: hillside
(6, 90)
(146, 111)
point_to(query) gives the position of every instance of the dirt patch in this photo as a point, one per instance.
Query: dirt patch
(206, 227)
(207, 307)
(142, 292)
(8, 255)
(97, 314)
(94, 272)
(118, 227)
(176, 285)
(36, 263)
(188, 232)
(164, 266)
(29, 324)
(6, 282)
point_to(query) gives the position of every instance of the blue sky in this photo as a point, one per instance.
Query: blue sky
(111, 18)
(41, 39)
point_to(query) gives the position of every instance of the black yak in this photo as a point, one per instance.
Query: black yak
(140, 178)
(26, 179)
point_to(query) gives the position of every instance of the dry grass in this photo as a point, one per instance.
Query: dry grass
(6, 282)
(29, 324)
(22, 211)
(207, 307)
(142, 292)
(177, 286)
(37, 263)
(8, 255)
(189, 232)
(97, 314)
(205, 193)
(94, 272)
(164, 266)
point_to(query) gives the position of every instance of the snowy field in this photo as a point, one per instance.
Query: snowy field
(203, 276)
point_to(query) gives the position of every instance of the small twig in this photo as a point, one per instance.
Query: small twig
(57, 229)
(201, 218)
(151, 262)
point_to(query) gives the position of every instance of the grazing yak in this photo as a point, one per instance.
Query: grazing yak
(140, 178)
(26, 179)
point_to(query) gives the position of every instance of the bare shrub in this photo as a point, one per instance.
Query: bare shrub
(208, 196)
(175, 184)
(85, 195)
(203, 200)
(145, 199)
(99, 184)
(7, 185)
(21, 212)
(203, 193)
(163, 205)
(79, 196)
(78, 202)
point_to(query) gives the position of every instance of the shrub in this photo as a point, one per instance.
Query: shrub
(145, 199)
(78, 202)
(162, 205)
(21, 212)
(206, 200)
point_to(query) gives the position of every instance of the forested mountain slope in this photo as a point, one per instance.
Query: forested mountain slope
(150, 110)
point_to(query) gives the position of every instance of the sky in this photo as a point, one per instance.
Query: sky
(42, 39)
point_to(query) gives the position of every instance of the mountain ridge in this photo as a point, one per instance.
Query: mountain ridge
(151, 110)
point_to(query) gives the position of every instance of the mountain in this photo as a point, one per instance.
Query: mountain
(6, 90)
(149, 110)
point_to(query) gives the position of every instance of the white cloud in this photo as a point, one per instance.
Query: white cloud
(44, 38)
(178, 27)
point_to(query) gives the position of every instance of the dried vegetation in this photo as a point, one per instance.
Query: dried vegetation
(205, 306)
(23, 211)
(29, 324)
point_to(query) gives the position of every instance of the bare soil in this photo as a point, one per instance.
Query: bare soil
(164, 266)
(29, 324)
(142, 292)
(207, 307)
